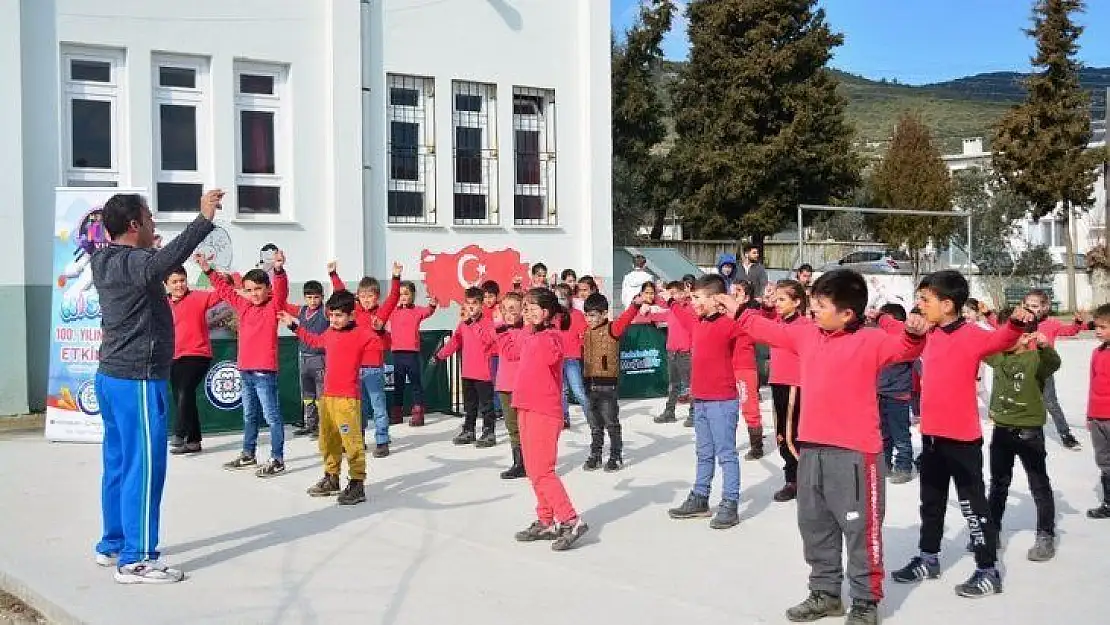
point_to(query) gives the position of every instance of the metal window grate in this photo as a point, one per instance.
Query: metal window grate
(534, 157)
(411, 147)
(474, 116)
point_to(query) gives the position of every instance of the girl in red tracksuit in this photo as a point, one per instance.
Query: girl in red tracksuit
(786, 302)
(539, 407)
(746, 372)
(404, 331)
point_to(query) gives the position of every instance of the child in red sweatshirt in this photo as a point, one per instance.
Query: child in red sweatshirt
(1098, 408)
(404, 333)
(508, 341)
(369, 314)
(491, 313)
(538, 404)
(678, 352)
(841, 490)
(951, 435)
(192, 355)
(474, 336)
(340, 417)
(258, 362)
(746, 372)
(1038, 303)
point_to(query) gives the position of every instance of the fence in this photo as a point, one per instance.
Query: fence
(776, 254)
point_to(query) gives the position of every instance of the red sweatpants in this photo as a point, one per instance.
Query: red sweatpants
(747, 384)
(539, 442)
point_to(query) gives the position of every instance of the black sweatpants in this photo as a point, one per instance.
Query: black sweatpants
(603, 415)
(1027, 445)
(788, 408)
(943, 461)
(186, 374)
(406, 373)
(477, 400)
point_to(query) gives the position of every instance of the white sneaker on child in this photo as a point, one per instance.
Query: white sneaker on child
(148, 572)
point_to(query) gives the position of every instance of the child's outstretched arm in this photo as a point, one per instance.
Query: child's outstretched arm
(760, 328)
(386, 309)
(1074, 328)
(452, 345)
(281, 280)
(906, 345)
(1006, 335)
(333, 274)
(224, 290)
(315, 341)
(618, 327)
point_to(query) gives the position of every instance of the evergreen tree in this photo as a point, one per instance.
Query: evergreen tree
(638, 174)
(912, 176)
(1041, 144)
(761, 127)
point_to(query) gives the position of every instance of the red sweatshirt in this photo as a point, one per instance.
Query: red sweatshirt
(343, 354)
(374, 356)
(839, 377)
(1098, 401)
(713, 339)
(678, 337)
(258, 325)
(743, 354)
(404, 326)
(572, 338)
(508, 341)
(541, 364)
(475, 339)
(492, 316)
(785, 366)
(1052, 329)
(190, 323)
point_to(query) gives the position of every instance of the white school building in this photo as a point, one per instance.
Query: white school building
(358, 130)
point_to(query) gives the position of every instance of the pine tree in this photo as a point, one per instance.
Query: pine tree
(1041, 144)
(761, 127)
(638, 174)
(912, 176)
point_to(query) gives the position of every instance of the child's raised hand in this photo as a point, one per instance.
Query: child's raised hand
(397, 269)
(202, 261)
(432, 303)
(279, 259)
(286, 319)
(984, 308)
(638, 301)
(332, 267)
(916, 325)
(1022, 315)
(1080, 317)
(377, 323)
(730, 303)
(769, 292)
(1041, 339)
(871, 314)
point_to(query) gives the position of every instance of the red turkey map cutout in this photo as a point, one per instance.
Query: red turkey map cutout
(447, 275)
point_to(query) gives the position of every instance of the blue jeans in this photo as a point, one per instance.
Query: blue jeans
(493, 362)
(894, 417)
(715, 425)
(572, 379)
(260, 395)
(373, 402)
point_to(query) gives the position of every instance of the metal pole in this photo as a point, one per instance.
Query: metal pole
(800, 235)
(970, 246)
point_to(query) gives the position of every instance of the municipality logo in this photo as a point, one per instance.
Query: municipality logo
(223, 386)
(86, 399)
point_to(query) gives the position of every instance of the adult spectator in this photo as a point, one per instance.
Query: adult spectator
(804, 275)
(131, 382)
(751, 269)
(634, 281)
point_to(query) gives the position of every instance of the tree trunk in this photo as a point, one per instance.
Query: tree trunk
(657, 224)
(758, 239)
(1069, 258)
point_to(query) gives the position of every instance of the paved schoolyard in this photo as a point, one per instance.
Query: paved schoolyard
(434, 543)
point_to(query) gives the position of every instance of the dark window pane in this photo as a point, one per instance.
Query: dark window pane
(400, 96)
(92, 134)
(179, 137)
(406, 204)
(90, 71)
(464, 102)
(253, 83)
(470, 206)
(177, 77)
(178, 198)
(259, 200)
(468, 155)
(527, 157)
(404, 163)
(257, 142)
(527, 105)
(528, 208)
(91, 183)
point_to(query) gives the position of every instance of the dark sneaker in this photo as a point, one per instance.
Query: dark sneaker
(148, 572)
(863, 613)
(918, 569)
(177, 441)
(1069, 442)
(666, 417)
(326, 487)
(465, 437)
(695, 507)
(569, 534)
(381, 451)
(537, 531)
(514, 472)
(272, 468)
(315, 436)
(353, 494)
(243, 461)
(593, 463)
(901, 477)
(689, 422)
(613, 464)
(566, 423)
(1101, 512)
(487, 439)
(816, 606)
(727, 515)
(789, 492)
(186, 449)
(304, 430)
(982, 583)
(1043, 549)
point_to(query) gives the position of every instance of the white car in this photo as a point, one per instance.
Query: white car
(873, 261)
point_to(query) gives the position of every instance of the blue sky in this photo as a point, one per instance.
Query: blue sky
(922, 41)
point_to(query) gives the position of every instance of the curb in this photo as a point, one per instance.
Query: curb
(52, 612)
(22, 423)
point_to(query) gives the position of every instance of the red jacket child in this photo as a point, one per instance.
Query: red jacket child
(404, 326)
(258, 324)
(190, 323)
(343, 355)
(508, 342)
(713, 340)
(1098, 401)
(475, 337)
(678, 336)
(541, 365)
(573, 337)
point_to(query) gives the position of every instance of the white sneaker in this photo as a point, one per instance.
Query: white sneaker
(148, 572)
(106, 559)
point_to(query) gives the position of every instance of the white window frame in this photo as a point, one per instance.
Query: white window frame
(486, 120)
(112, 92)
(199, 98)
(544, 122)
(424, 115)
(278, 104)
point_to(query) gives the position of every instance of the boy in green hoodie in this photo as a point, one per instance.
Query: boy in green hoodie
(1018, 412)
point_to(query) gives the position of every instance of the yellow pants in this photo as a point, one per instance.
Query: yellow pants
(341, 432)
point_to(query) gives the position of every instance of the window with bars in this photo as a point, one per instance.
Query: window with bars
(262, 155)
(474, 117)
(93, 128)
(181, 139)
(412, 162)
(534, 156)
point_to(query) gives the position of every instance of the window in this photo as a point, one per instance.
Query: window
(474, 116)
(92, 94)
(261, 141)
(181, 133)
(411, 150)
(534, 156)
